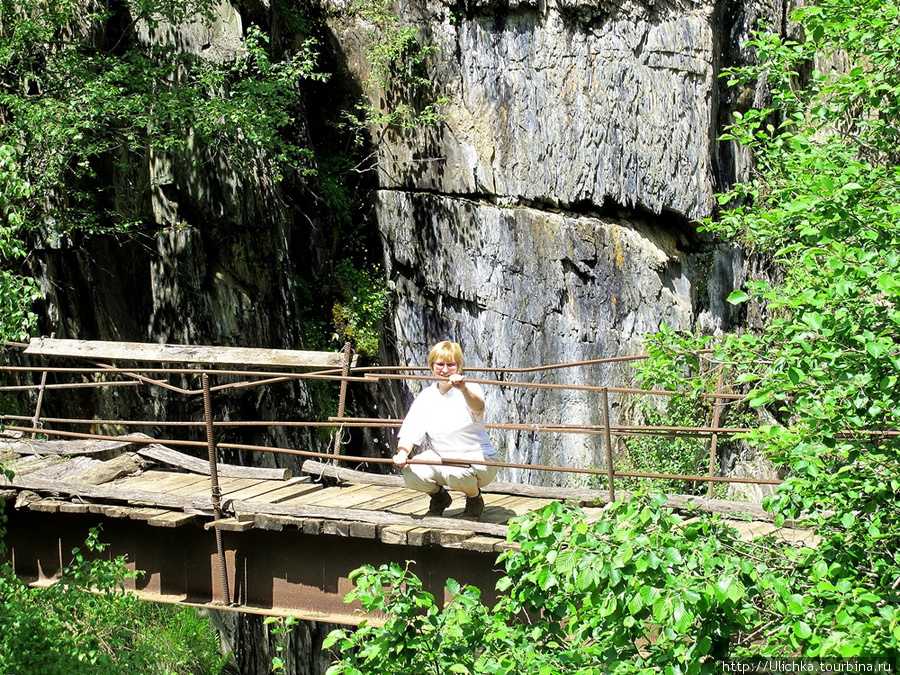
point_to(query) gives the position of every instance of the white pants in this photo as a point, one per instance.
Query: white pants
(427, 477)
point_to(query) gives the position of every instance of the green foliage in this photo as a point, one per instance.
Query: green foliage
(397, 60)
(664, 454)
(87, 623)
(824, 203)
(86, 95)
(641, 590)
(362, 302)
(280, 626)
(17, 292)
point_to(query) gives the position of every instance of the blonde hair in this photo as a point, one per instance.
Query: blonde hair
(447, 351)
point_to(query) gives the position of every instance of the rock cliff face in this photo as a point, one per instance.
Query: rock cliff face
(549, 217)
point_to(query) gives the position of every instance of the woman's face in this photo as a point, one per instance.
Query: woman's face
(445, 367)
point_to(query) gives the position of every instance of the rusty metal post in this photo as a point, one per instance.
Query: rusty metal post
(36, 420)
(215, 490)
(610, 471)
(342, 400)
(714, 442)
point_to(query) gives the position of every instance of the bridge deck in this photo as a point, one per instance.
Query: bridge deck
(291, 542)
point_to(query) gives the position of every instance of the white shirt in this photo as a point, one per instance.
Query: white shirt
(451, 427)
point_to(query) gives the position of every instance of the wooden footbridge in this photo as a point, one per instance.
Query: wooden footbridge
(249, 538)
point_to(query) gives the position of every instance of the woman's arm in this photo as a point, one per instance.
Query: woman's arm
(473, 400)
(404, 450)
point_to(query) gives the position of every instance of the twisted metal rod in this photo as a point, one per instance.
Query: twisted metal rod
(387, 460)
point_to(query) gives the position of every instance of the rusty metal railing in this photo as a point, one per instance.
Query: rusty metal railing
(255, 378)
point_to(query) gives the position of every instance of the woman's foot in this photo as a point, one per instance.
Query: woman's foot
(440, 500)
(474, 507)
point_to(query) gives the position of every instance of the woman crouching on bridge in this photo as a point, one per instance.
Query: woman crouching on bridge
(446, 421)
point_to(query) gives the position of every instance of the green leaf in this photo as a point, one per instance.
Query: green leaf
(737, 297)
(802, 630)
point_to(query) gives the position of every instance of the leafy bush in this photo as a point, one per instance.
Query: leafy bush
(640, 590)
(87, 622)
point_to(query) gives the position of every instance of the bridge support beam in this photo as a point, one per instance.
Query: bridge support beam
(272, 572)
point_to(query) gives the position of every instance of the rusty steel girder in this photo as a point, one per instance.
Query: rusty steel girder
(286, 572)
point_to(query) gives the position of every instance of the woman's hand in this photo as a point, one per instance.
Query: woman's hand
(401, 458)
(457, 380)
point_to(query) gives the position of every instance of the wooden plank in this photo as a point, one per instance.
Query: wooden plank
(512, 507)
(113, 492)
(105, 472)
(285, 493)
(342, 475)
(94, 448)
(70, 507)
(374, 493)
(338, 497)
(163, 482)
(171, 519)
(45, 505)
(395, 534)
(363, 530)
(421, 536)
(146, 513)
(313, 526)
(254, 491)
(61, 469)
(338, 528)
(391, 499)
(479, 544)
(418, 505)
(229, 525)
(110, 511)
(232, 486)
(451, 538)
(166, 455)
(165, 353)
(379, 518)
(33, 464)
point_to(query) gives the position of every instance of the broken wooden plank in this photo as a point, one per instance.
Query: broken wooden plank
(94, 448)
(479, 544)
(60, 468)
(22, 466)
(108, 471)
(114, 493)
(166, 353)
(165, 455)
